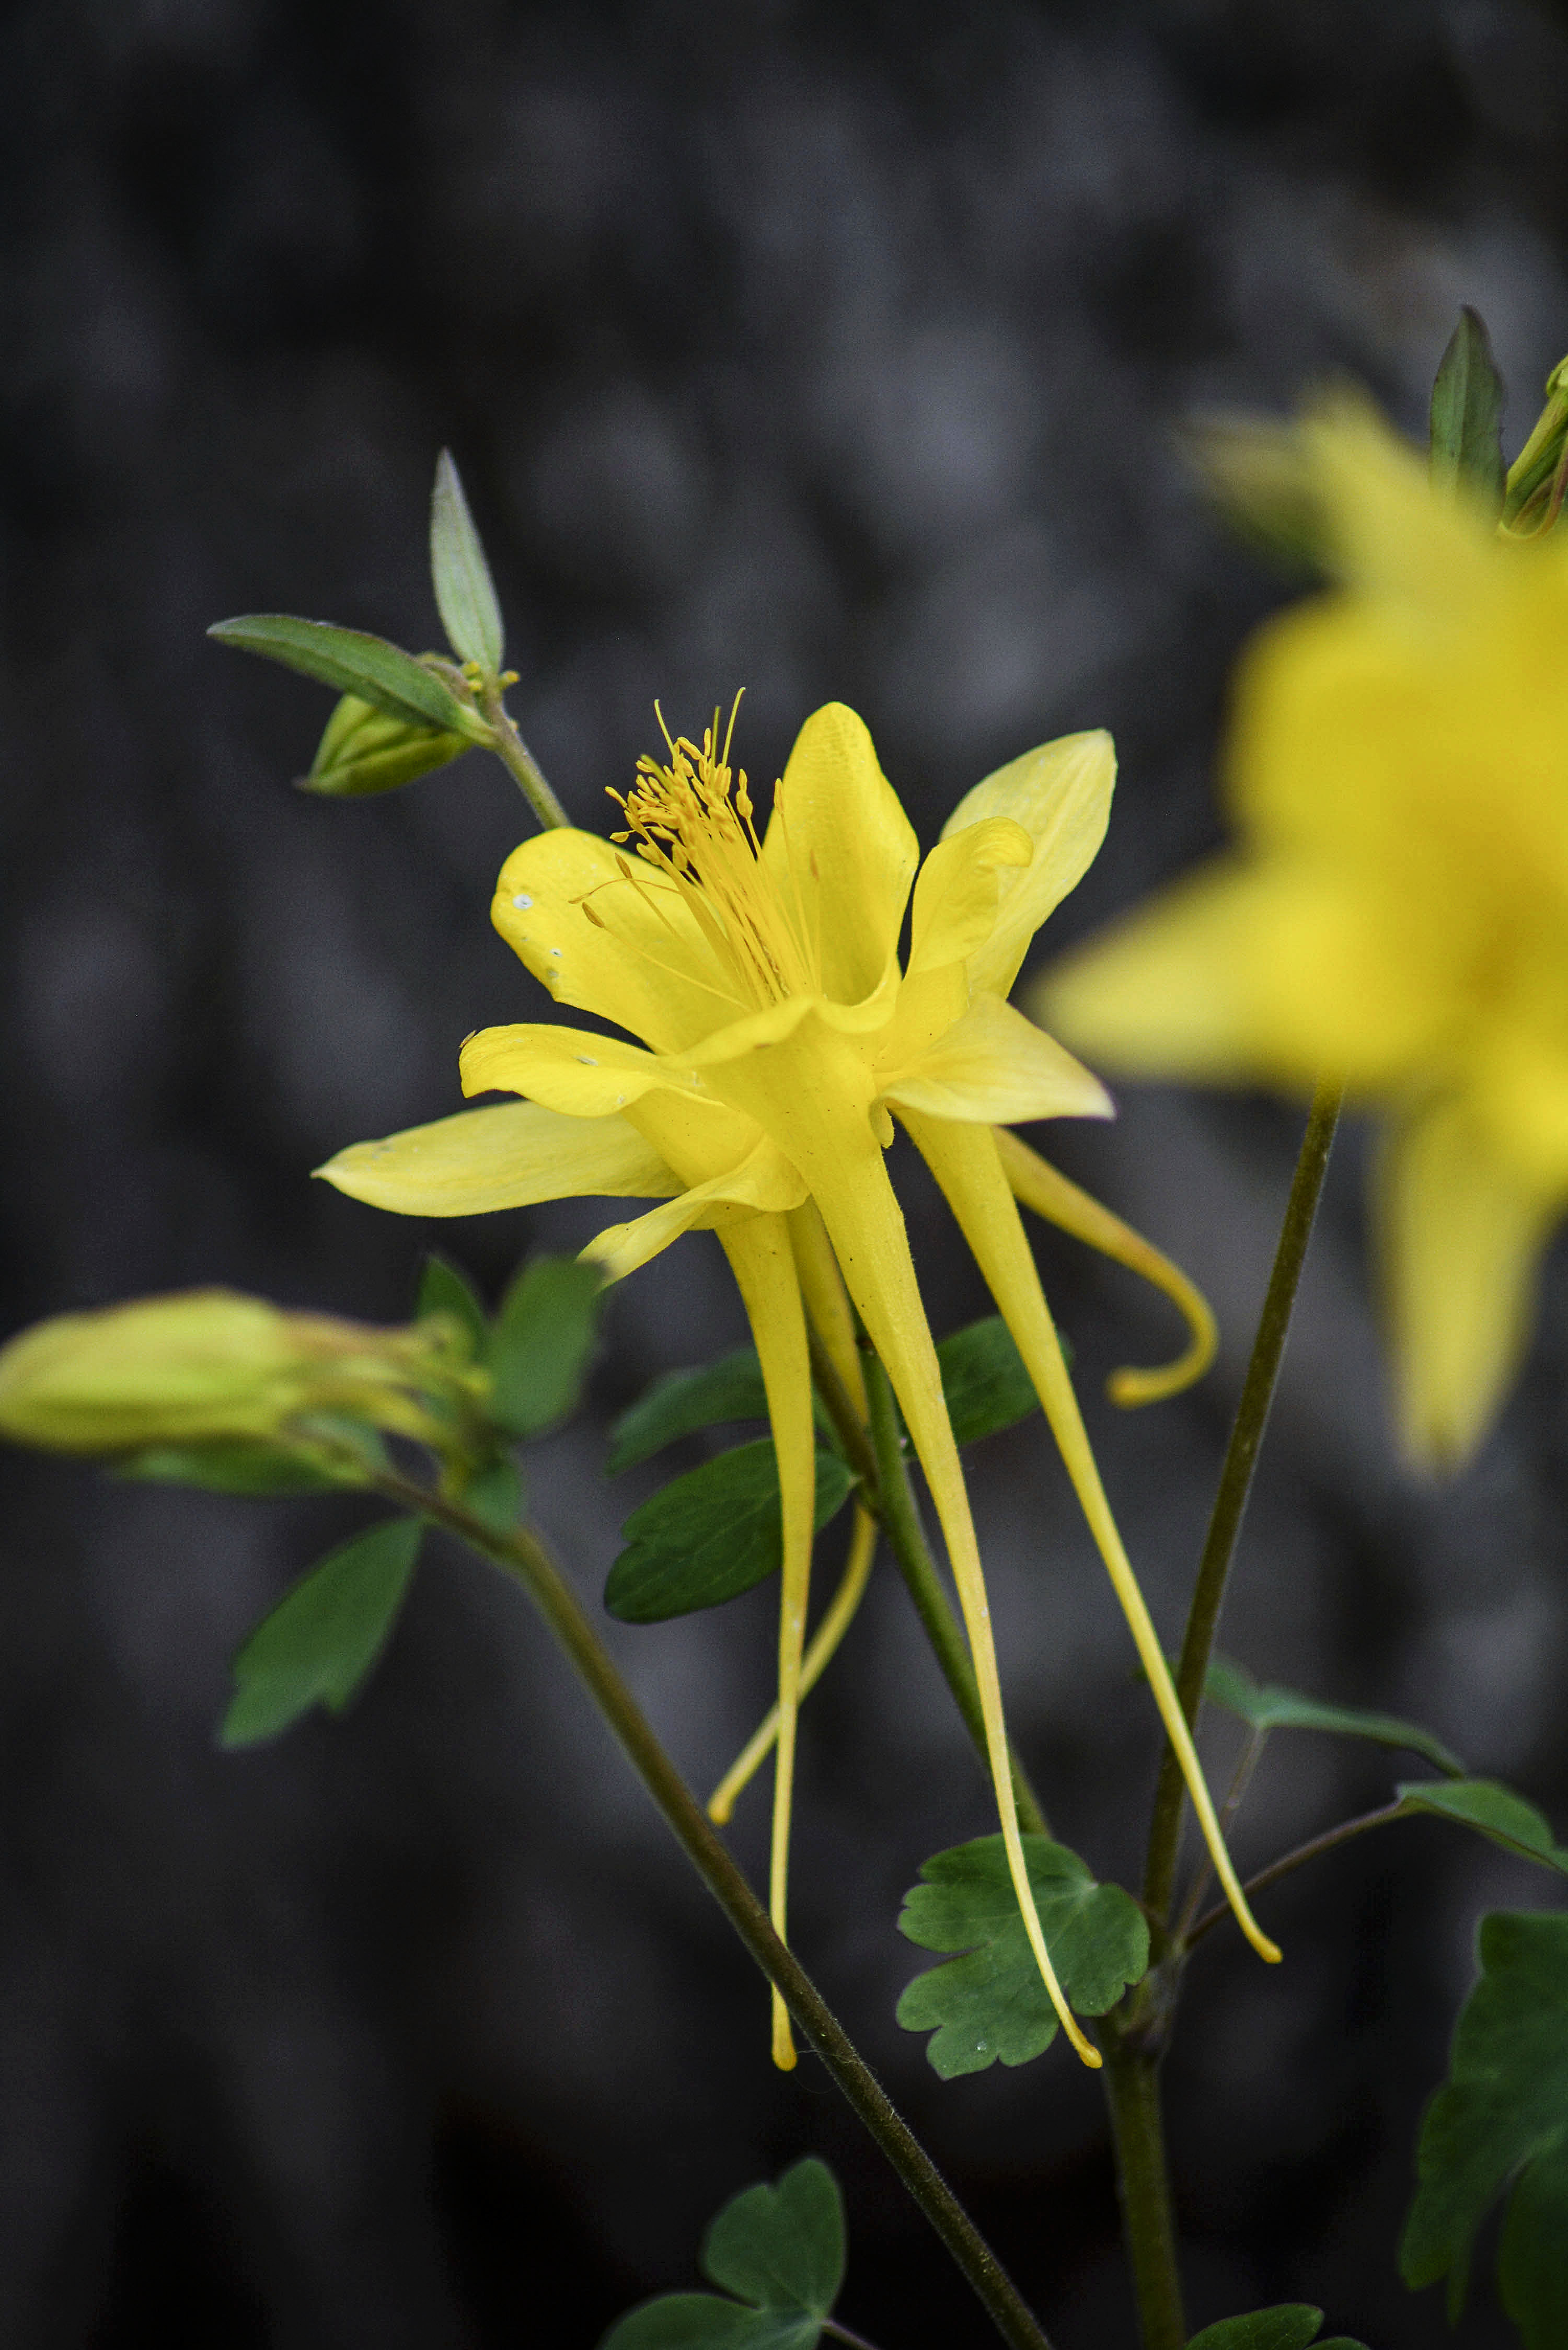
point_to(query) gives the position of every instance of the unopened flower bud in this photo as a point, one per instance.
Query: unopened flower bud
(207, 1366)
(1538, 474)
(365, 750)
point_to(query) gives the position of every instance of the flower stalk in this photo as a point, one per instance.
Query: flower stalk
(1236, 1480)
(522, 1556)
(515, 754)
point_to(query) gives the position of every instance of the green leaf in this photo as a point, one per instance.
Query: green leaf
(494, 1492)
(701, 2321)
(991, 2003)
(707, 1536)
(320, 1641)
(1496, 1811)
(1291, 2326)
(365, 751)
(1466, 417)
(464, 591)
(367, 666)
(539, 1350)
(260, 1470)
(1502, 2110)
(681, 1402)
(1267, 1706)
(781, 2247)
(984, 1381)
(445, 1288)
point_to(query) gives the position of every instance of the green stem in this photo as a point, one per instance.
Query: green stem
(1131, 2080)
(1236, 1480)
(524, 1557)
(893, 1504)
(516, 757)
(1329, 1841)
(841, 2334)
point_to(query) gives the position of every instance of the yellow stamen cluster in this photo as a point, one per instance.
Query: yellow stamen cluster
(691, 819)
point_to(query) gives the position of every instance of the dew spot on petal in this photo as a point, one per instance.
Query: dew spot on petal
(522, 904)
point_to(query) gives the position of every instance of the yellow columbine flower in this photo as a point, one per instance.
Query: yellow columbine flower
(1396, 912)
(780, 1037)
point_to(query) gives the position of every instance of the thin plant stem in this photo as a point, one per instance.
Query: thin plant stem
(1143, 2185)
(894, 1502)
(1329, 1841)
(841, 2334)
(1236, 1480)
(524, 1557)
(516, 757)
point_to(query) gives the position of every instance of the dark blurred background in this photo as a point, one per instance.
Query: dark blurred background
(832, 350)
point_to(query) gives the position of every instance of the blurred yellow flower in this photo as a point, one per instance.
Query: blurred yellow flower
(781, 1034)
(1396, 912)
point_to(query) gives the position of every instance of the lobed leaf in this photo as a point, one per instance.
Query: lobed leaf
(990, 2002)
(464, 591)
(320, 1641)
(1289, 2325)
(682, 1402)
(1502, 2110)
(781, 2249)
(538, 1351)
(985, 1381)
(1267, 1706)
(701, 2321)
(354, 663)
(1493, 1809)
(709, 1535)
(1466, 417)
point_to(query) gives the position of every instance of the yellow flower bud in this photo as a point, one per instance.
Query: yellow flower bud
(210, 1365)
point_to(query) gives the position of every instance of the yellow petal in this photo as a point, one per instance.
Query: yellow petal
(1043, 1188)
(568, 1069)
(841, 842)
(865, 1225)
(965, 1162)
(1061, 794)
(1462, 1236)
(641, 963)
(693, 1134)
(825, 1642)
(995, 1067)
(764, 1182)
(509, 1156)
(763, 1267)
(1247, 972)
(956, 891)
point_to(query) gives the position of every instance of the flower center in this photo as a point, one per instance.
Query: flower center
(692, 820)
